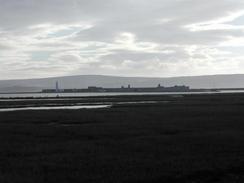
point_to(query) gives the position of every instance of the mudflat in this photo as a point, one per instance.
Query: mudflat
(177, 138)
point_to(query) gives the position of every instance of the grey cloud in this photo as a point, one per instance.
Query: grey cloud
(122, 55)
(156, 22)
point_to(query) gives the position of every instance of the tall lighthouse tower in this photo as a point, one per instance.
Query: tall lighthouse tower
(57, 87)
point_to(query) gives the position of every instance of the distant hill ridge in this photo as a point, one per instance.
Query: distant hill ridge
(83, 81)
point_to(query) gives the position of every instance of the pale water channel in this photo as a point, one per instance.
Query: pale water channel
(55, 108)
(55, 95)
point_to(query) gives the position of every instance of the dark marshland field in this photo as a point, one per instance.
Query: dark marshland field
(182, 138)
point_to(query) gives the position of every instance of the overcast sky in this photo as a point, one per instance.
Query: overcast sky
(42, 38)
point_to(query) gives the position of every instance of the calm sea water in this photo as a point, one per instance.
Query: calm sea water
(53, 95)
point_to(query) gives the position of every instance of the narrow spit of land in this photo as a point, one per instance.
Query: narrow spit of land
(191, 138)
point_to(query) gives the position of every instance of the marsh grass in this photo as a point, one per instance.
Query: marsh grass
(195, 138)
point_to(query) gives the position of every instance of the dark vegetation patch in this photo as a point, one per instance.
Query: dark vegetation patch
(195, 138)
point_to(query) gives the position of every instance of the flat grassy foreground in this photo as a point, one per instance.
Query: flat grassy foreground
(194, 138)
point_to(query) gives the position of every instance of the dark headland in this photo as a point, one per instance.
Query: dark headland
(153, 138)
